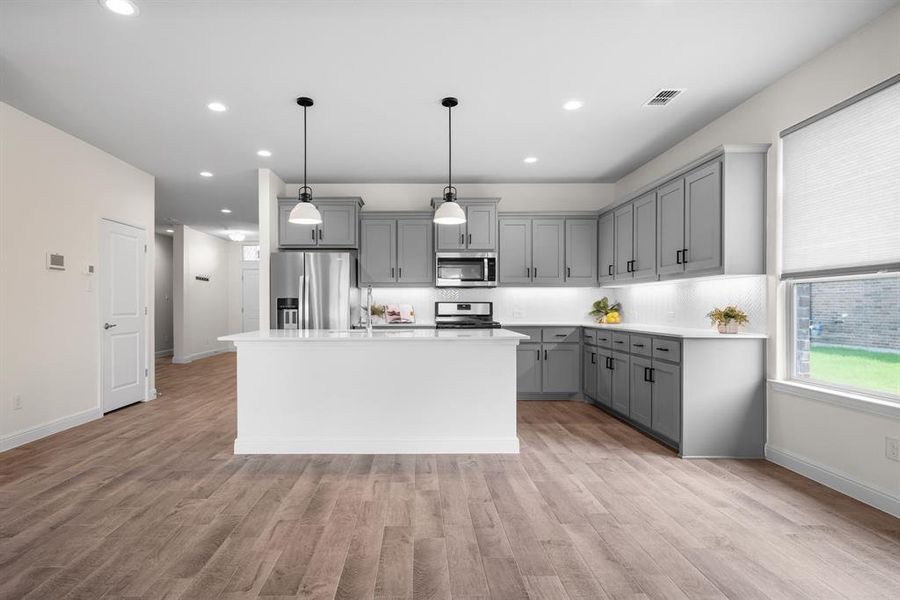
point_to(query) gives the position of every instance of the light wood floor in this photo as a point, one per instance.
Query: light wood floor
(149, 502)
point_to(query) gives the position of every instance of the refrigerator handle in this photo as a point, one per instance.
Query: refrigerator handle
(304, 300)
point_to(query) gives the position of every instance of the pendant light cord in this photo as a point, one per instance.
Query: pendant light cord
(450, 147)
(304, 146)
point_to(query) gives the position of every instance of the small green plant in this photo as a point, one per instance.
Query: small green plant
(728, 315)
(602, 307)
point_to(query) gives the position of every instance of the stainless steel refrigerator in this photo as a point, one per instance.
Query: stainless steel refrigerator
(313, 290)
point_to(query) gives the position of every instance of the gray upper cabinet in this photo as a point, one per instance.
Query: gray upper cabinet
(478, 233)
(670, 224)
(581, 251)
(641, 390)
(643, 265)
(606, 250)
(548, 251)
(515, 250)
(378, 251)
(528, 368)
(623, 219)
(396, 249)
(561, 368)
(703, 219)
(666, 410)
(340, 222)
(481, 227)
(415, 257)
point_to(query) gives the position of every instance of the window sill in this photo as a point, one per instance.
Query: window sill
(859, 402)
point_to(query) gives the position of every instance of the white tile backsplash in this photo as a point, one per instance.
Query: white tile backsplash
(682, 303)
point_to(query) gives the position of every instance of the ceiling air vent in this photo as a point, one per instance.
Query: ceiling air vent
(663, 97)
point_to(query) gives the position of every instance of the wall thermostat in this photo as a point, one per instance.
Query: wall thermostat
(56, 262)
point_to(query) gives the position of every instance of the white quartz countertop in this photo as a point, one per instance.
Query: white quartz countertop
(361, 335)
(666, 330)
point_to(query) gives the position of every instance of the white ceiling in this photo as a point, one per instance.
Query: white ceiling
(138, 87)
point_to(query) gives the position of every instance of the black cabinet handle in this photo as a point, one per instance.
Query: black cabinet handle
(646, 373)
(618, 342)
(470, 238)
(561, 335)
(312, 232)
(684, 256)
(321, 233)
(392, 272)
(545, 355)
(652, 378)
(462, 239)
(539, 354)
(638, 345)
(678, 257)
(535, 271)
(399, 272)
(662, 349)
(568, 272)
(610, 364)
(593, 358)
(610, 269)
(527, 271)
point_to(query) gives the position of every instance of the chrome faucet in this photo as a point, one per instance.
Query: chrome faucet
(369, 300)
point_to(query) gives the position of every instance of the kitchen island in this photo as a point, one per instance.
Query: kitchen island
(385, 392)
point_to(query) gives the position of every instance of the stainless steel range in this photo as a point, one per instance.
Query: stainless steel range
(464, 315)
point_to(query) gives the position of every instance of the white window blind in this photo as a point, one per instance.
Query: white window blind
(841, 188)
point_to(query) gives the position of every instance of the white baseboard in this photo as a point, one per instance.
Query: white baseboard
(376, 446)
(14, 440)
(168, 352)
(842, 482)
(183, 360)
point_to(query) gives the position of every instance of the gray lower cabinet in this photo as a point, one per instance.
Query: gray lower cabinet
(606, 249)
(528, 368)
(548, 251)
(581, 251)
(666, 401)
(396, 250)
(378, 251)
(515, 251)
(561, 368)
(589, 366)
(338, 229)
(641, 391)
(604, 377)
(620, 385)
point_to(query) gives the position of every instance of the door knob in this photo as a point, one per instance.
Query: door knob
(108, 325)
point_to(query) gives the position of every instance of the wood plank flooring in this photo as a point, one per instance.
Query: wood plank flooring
(150, 502)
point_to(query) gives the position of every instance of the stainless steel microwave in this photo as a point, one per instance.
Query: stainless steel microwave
(465, 269)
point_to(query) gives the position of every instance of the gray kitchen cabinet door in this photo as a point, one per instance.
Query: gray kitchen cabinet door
(561, 369)
(644, 214)
(481, 227)
(548, 250)
(589, 361)
(378, 251)
(528, 368)
(515, 251)
(624, 227)
(604, 377)
(415, 251)
(619, 384)
(703, 218)
(581, 251)
(670, 227)
(641, 393)
(338, 228)
(450, 238)
(292, 235)
(666, 410)
(606, 247)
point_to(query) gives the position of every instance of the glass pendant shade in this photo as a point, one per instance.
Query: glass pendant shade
(305, 213)
(449, 213)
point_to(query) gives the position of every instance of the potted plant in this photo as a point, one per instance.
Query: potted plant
(729, 319)
(605, 312)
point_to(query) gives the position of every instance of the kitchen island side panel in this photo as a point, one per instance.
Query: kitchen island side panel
(374, 397)
(723, 398)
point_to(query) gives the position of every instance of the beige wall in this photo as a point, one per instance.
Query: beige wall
(54, 190)
(842, 439)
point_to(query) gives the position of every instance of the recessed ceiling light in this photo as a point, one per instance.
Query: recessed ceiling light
(205, 174)
(573, 105)
(216, 107)
(227, 211)
(170, 231)
(126, 8)
(530, 160)
(236, 236)
(263, 153)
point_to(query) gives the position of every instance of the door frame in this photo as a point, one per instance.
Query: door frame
(145, 322)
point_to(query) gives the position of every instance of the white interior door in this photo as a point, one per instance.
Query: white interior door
(250, 299)
(122, 314)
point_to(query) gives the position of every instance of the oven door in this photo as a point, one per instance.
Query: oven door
(466, 269)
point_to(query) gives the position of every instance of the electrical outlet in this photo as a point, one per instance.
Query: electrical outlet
(892, 448)
(17, 402)
(518, 313)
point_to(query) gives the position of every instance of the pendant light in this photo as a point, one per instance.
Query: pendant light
(305, 212)
(449, 212)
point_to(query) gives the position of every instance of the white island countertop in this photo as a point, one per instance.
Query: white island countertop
(361, 335)
(666, 330)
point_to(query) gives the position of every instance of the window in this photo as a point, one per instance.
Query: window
(251, 253)
(841, 243)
